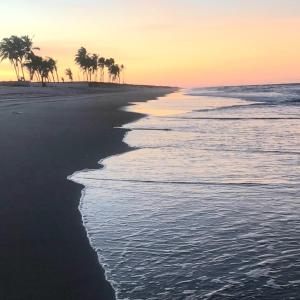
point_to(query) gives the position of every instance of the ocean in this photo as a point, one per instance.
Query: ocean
(207, 203)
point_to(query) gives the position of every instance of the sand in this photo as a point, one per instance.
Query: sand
(46, 135)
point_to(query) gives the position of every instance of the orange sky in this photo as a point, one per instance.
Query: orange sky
(183, 43)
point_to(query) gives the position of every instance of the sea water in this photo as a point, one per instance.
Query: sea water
(207, 204)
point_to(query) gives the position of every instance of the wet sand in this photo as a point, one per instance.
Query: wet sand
(46, 135)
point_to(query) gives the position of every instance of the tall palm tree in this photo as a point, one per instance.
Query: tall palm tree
(94, 64)
(122, 70)
(81, 59)
(114, 72)
(52, 67)
(69, 73)
(89, 64)
(32, 65)
(45, 68)
(25, 48)
(55, 70)
(8, 51)
(101, 65)
(17, 50)
(36, 65)
(109, 63)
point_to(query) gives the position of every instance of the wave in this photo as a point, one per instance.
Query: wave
(190, 223)
(151, 129)
(274, 94)
(247, 184)
(238, 118)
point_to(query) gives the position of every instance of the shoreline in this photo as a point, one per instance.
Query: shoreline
(47, 138)
(101, 166)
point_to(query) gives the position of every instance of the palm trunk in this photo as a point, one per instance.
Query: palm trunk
(22, 69)
(57, 76)
(43, 83)
(31, 74)
(15, 69)
(23, 72)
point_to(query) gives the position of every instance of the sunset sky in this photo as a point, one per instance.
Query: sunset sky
(175, 42)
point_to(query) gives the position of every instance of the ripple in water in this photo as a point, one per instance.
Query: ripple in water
(202, 209)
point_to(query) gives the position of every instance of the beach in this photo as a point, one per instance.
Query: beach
(47, 134)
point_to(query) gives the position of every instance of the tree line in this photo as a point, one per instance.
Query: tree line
(93, 65)
(21, 54)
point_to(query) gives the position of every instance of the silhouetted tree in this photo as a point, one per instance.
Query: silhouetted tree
(88, 63)
(7, 51)
(81, 60)
(52, 67)
(69, 74)
(33, 66)
(40, 67)
(114, 72)
(17, 50)
(109, 63)
(122, 71)
(94, 65)
(101, 65)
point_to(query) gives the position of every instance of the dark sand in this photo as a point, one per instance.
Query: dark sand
(46, 135)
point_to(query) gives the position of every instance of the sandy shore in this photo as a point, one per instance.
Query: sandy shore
(46, 135)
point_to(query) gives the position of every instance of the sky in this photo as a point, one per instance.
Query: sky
(180, 42)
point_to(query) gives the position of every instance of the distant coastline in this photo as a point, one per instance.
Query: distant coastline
(78, 84)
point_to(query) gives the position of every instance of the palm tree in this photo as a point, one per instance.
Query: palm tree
(45, 68)
(25, 49)
(8, 51)
(32, 65)
(54, 70)
(94, 65)
(87, 62)
(90, 63)
(17, 50)
(122, 70)
(101, 65)
(69, 73)
(109, 63)
(81, 59)
(40, 67)
(52, 67)
(114, 72)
